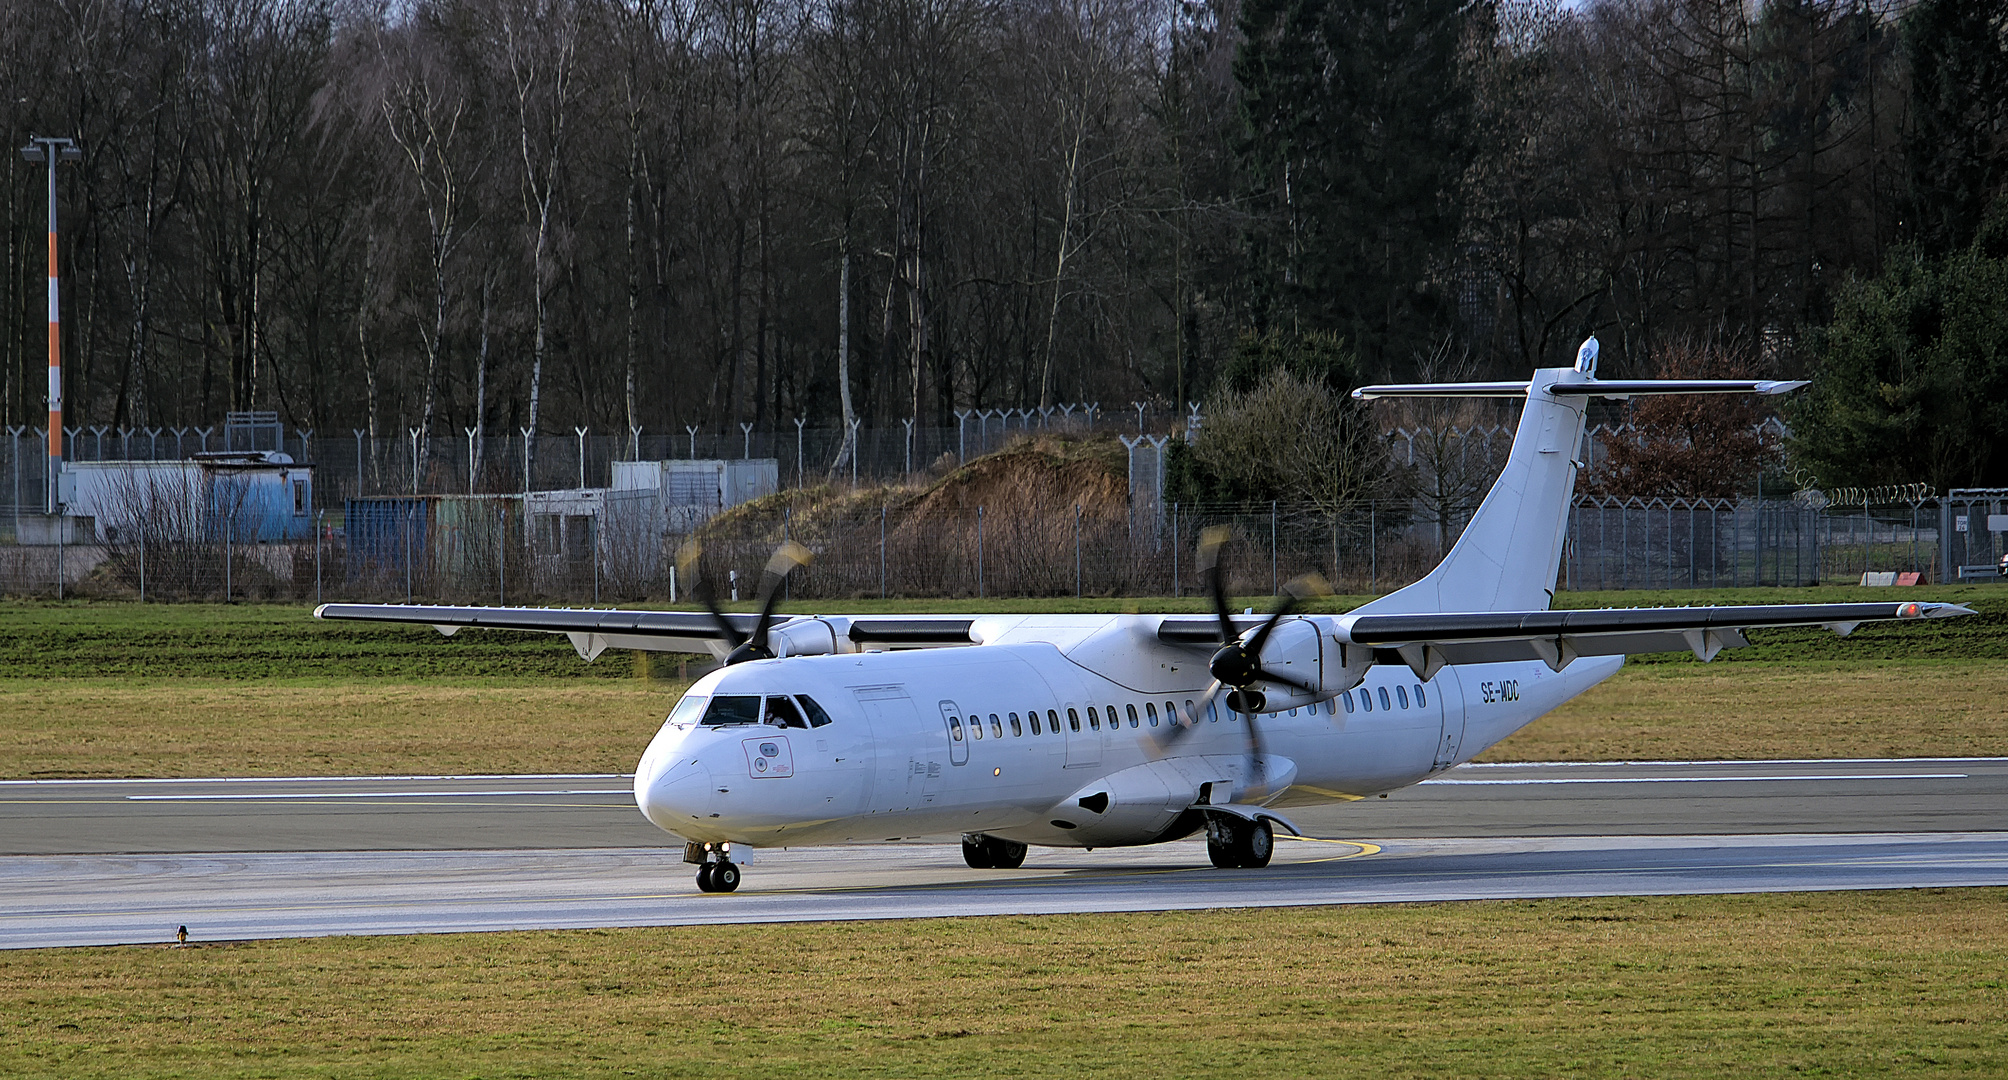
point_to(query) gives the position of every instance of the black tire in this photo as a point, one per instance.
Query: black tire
(977, 852)
(1258, 844)
(724, 877)
(1220, 845)
(1006, 854)
(1234, 844)
(704, 878)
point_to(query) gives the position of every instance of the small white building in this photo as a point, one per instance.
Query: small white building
(691, 491)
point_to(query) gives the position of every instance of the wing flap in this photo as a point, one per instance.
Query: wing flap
(1556, 637)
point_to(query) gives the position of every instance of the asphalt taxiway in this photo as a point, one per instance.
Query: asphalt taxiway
(100, 862)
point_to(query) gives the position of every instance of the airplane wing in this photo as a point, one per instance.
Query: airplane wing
(592, 631)
(1426, 642)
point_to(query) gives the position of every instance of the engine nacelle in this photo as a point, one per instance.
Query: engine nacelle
(806, 637)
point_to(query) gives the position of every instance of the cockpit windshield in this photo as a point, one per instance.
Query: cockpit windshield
(732, 709)
(688, 710)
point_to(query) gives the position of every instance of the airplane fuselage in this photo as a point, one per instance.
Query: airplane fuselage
(1022, 743)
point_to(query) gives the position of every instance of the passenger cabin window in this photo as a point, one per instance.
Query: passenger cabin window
(1150, 710)
(996, 726)
(688, 710)
(1094, 719)
(1348, 699)
(1366, 699)
(1213, 711)
(975, 725)
(781, 712)
(1073, 719)
(817, 717)
(1190, 711)
(1384, 701)
(1053, 720)
(1421, 702)
(732, 709)
(1113, 722)
(1132, 715)
(1401, 693)
(1017, 729)
(1033, 716)
(955, 727)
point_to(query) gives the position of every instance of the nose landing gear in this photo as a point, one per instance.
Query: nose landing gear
(716, 872)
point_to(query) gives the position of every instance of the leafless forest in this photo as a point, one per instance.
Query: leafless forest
(506, 214)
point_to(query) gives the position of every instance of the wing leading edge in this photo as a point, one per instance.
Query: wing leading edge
(1425, 642)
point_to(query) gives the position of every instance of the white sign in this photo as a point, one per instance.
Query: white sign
(1959, 523)
(1997, 523)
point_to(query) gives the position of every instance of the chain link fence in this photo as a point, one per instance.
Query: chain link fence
(484, 550)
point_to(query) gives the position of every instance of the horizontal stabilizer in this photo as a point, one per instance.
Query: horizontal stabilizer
(1601, 388)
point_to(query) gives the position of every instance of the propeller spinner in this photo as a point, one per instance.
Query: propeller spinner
(1238, 663)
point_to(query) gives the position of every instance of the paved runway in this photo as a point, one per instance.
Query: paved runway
(128, 861)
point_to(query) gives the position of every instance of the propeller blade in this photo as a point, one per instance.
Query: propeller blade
(1174, 734)
(1296, 590)
(1210, 542)
(782, 563)
(1291, 681)
(686, 565)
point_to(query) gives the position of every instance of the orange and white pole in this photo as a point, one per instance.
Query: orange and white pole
(52, 151)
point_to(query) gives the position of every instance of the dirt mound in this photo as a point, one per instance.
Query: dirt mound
(1036, 478)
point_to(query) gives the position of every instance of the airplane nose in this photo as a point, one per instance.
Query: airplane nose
(675, 796)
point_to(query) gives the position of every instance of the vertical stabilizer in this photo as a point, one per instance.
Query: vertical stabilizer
(1508, 555)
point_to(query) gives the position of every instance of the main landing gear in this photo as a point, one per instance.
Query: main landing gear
(990, 853)
(716, 872)
(1238, 844)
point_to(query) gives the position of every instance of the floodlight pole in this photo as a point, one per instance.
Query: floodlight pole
(51, 151)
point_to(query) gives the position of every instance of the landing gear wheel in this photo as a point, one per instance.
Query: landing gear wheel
(1234, 844)
(725, 876)
(1006, 854)
(990, 853)
(704, 877)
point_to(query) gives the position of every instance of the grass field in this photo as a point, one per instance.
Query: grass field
(198, 690)
(1827, 984)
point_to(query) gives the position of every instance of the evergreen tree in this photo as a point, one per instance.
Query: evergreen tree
(1958, 141)
(1912, 383)
(1359, 118)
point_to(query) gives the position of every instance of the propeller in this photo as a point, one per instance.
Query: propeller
(785, 560)
(1236, 663)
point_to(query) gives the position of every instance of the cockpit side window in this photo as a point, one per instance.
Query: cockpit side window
(781, 712)
(817, 717)
(688, 710)
(732, 709)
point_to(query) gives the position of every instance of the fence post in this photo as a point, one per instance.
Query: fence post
(61, 547)
(228, 523)
(1273, 590)
(979, 552)
(596, 557)
(798, 450)
(1373, 547)
(320, 526)
(881, 551)
(407, 554)
(502, 555)
(1077, 550)
(1174, 551)
(142, 569)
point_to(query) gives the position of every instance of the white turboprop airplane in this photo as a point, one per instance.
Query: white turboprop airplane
(1112, 730)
